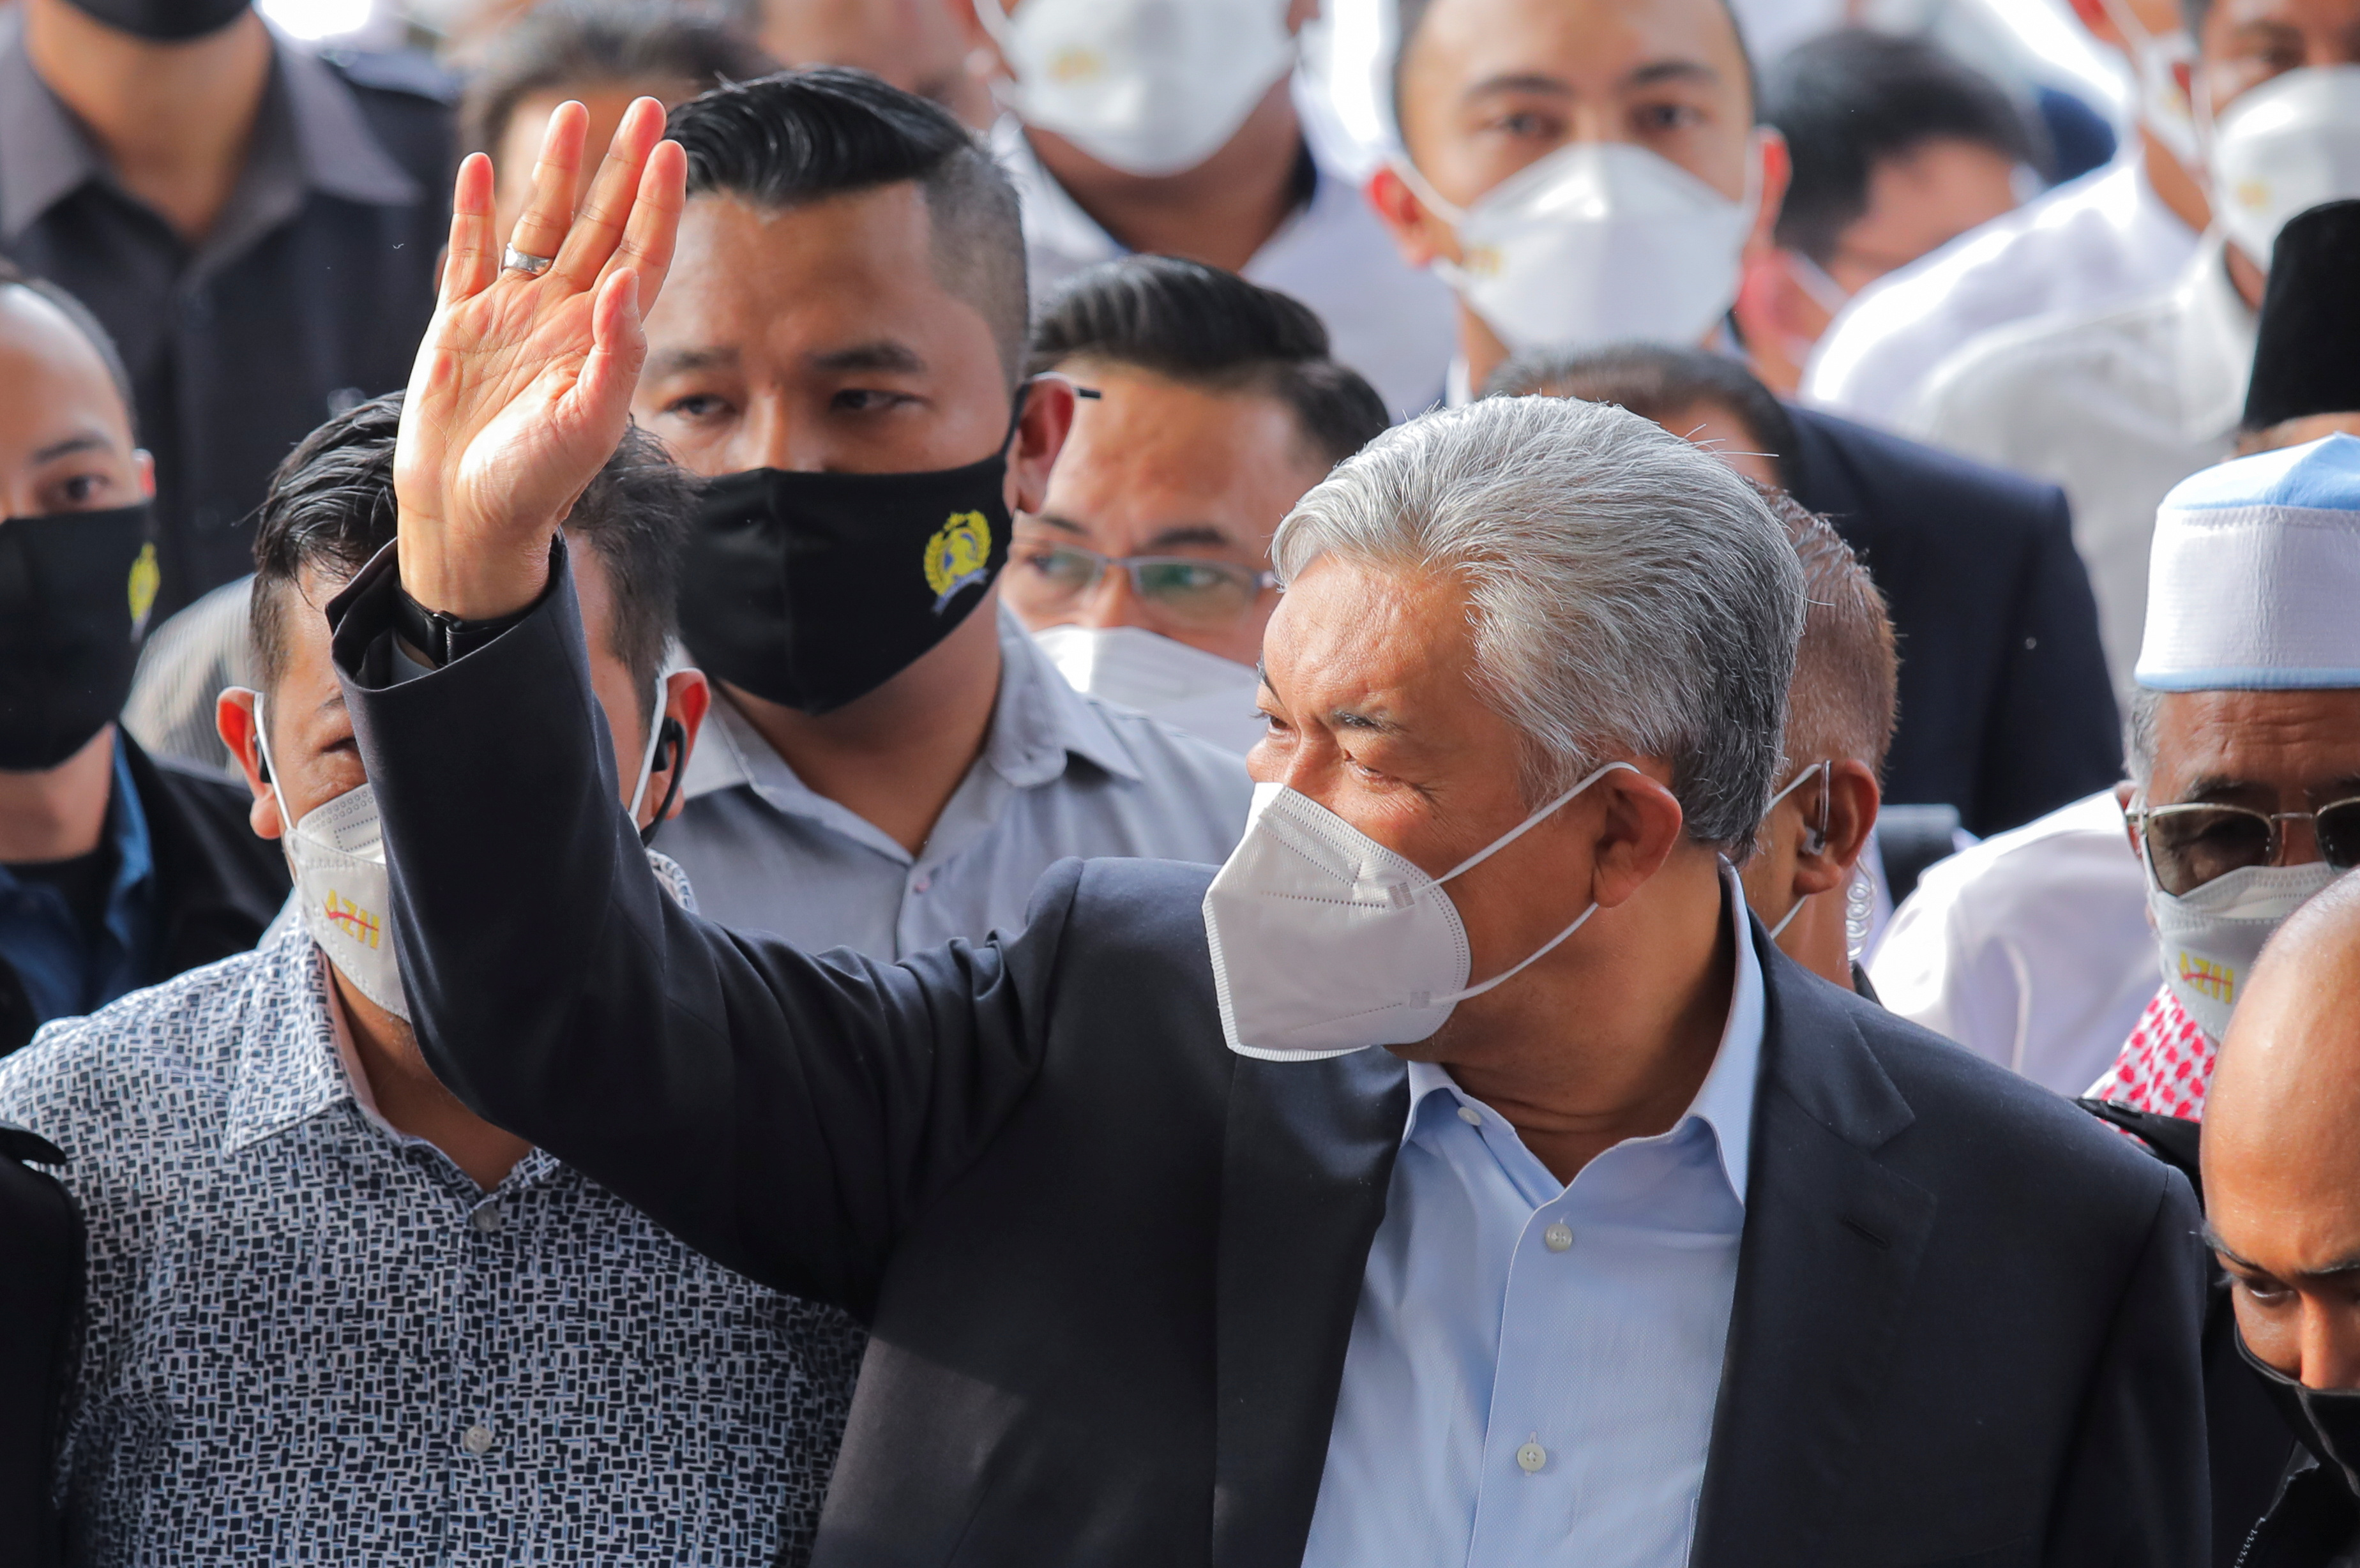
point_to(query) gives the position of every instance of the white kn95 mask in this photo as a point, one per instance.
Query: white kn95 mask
(1150, 87)
(1325, 942)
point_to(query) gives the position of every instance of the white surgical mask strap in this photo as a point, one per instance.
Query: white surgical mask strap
(648, 753)
(1527, 825)
(269, 768)
(1432, 200)
(995, 25)
(1515, 969)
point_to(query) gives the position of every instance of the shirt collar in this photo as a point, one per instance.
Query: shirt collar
(2214, 350)
(1038, 722)
(1724, 1102)
(310, 132)
(288, 1068)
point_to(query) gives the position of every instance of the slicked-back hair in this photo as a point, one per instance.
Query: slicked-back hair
(568, 45)
(804, 135)
(1206, 328)
(1630, 595)
(330, 508)
(1850, 99)
(1656, 381)
(1844, 698)
(78, 316)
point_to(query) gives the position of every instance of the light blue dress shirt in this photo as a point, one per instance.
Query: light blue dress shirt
(1532, 1365)
(1061, 774)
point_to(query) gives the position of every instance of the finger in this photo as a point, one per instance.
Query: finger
(605, 212)
(600, 399)
(473, 259)
(541, 230)
(654, 231)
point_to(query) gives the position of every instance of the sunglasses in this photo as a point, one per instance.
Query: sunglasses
(2187, 846)
(1204, 595)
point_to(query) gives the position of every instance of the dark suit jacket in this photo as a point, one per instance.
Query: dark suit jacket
(2007, 709)
(217, 885)
(40, 1287)
(1111, 1267)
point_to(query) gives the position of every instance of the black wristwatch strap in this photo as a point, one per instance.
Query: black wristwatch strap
(442, 636)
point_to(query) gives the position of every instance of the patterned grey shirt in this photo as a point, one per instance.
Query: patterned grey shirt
(311, 1338)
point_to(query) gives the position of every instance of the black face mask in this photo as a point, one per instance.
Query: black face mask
(2326, 1420)
(164, 21)
(815, 589)
(75, 590)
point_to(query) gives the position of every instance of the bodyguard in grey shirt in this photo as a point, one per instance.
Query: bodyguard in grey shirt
(1060, 774)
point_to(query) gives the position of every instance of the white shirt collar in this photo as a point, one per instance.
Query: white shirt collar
(1724, 1102)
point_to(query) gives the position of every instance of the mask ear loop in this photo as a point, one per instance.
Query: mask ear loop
(1815, 841)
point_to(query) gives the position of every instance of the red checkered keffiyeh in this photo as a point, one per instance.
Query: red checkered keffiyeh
(2165, 1066)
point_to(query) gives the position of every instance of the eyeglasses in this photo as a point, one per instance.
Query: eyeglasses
(2187, 846)
(1045, 579)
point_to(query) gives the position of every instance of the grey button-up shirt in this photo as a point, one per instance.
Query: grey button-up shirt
(308, 293)
(1061, 774)
(311, 1338)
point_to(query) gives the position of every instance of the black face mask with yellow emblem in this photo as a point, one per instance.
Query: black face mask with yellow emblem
(75, 590)
(813, 590)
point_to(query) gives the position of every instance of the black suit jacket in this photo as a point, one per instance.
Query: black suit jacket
(217, 885)
(1110, 1267)
(41, 1245)
(2007, 709)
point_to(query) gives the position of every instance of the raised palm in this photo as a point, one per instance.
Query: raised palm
(523, 385)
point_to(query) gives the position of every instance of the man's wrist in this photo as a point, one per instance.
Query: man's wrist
(436, 633)
(471, 586)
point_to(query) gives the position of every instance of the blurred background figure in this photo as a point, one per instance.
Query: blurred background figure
(2119, 405)
(2004, 711)
(1172, 126)
(1146, 571)
(2305, 380)
(2095, 244)
(926, 47)
(1898, 150)
(2282, 1198)
(1804, 878)
(2244, 791)
(116, 870)
(256, 225)
(601, 54)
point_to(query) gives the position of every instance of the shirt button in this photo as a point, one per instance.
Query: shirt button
(1529, 1458)
(1470, 1116)
(478, 1440)
(1557, 1238)
(488, 1218)
(921, 884)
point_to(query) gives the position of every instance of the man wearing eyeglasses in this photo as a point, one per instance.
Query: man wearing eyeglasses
(892, 763)
(2245, 741)
(1146, 572)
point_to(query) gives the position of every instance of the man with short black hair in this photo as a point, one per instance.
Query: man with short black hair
(1898, 148)
(116, 870)
(1213, 407)
(2004, 711)
(420, 1336)
(841, 353)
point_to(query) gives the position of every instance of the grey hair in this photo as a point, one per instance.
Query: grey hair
(1631, 595)
(2139, 735)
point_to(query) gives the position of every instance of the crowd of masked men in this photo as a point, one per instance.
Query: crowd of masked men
(913, 787)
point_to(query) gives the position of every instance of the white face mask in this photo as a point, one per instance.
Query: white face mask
(1150, 87)
(2163, 106)
(648, 755)
(2282, 148)
(1598, 242)
(344, 894)
(1325, 942)
(2209, 937)
(1186, 687)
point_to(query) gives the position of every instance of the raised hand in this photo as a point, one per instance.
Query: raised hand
(523, 385)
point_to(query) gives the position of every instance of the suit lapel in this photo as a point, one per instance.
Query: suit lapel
(1309, 1152)
(1832, 1241)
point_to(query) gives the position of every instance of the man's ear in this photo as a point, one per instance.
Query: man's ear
(1638, 829)
(688, 698)
(234, 721)
(1852, 801)
(1041, 432)
(143, 463)
(2125, 794)
(1774, 169)
(1421, 236)
(2092, 14)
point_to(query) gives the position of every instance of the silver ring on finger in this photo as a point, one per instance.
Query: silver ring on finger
(530, 265)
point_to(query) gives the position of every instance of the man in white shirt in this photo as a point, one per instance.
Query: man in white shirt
(891, 762)
(1131, 134)
(2104, 240)
(2118, 404)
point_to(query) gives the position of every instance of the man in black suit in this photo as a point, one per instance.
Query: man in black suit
(2005, 712)
(1592, 176)
(1163, 1264)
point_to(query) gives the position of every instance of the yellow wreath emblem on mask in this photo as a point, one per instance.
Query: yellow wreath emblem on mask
(959, 554)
